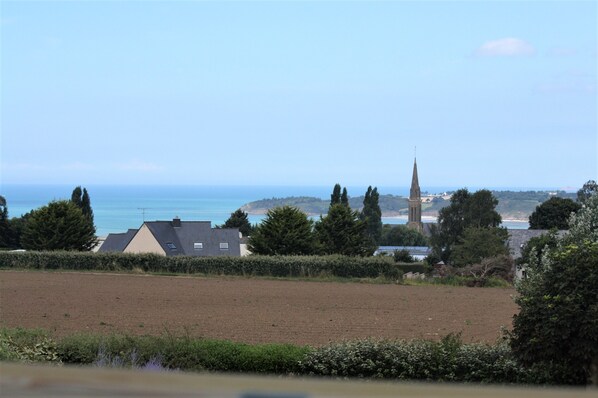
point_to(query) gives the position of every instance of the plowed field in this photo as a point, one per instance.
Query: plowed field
(249, 310)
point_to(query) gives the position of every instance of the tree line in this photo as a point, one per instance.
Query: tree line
(60, 225)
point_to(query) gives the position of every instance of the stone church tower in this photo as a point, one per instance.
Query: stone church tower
(415, 202)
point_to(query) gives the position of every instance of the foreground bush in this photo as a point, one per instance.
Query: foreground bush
(447, 360)
(275, 266)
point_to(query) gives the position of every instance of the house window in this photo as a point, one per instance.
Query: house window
(171, 245)
(223, 245)
(198, 246)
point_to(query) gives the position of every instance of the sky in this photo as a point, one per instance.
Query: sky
(492, 94)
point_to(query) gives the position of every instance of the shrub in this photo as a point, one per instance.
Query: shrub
(447, 360)
(275, 266)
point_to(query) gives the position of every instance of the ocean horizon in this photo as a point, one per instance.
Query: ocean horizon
(120, 207)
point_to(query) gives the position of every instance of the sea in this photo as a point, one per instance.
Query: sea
(117, 208)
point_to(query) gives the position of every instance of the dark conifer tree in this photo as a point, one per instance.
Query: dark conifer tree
(335, 198)
(86, 205)
(76, 196)
(345, 198)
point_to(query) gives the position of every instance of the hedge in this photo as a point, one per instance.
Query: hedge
(448, 360)
(274, 266)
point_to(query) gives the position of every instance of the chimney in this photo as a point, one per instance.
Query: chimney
(176, 222)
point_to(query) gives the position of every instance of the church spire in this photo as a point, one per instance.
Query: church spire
(415, 203)
(415, 192)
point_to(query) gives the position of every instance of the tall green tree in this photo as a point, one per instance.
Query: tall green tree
(86, 205)
(553, 213)
(239, 219)
(60, 225)
(476, 244)
(285, 231)
(556, 328)
(589, 188)
(372, 215)
(80, 197)
(465, 210)
(76, 196)
(341, 231)
(401, 235)
(4, 224)
(345, 197)
(335, 197)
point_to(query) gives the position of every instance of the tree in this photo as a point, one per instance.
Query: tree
(465, 210)
(345, 197)
(342, 232)
(372, 215)
(583, 225)
(81, 199)
(553, 213)
(335, 198)
(239, 219)
(589, 188)
(536, 246)
(76, 196)
(555, 329)
(401, 235)
(60, 225)
(4, 224)
(86, 205)
(476, 244)
(285, 231)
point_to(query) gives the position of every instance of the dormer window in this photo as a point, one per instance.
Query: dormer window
(198, 246)
(171, 245)
(223, 245)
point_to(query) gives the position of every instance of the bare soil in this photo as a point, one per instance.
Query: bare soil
(249, 310)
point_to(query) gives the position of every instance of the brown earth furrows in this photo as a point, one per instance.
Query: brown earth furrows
(249, 310)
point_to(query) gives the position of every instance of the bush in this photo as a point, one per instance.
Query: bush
(274, 266)
(182, 353)
(447, 360)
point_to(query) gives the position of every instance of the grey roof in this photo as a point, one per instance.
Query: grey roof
(117, 242)
(519, 237)
(181, 240)
(413, 250)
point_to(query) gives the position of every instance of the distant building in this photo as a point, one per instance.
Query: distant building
(417, 252)
(176, 237)
(415, 203)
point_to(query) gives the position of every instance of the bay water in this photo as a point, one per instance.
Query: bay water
(120, 207)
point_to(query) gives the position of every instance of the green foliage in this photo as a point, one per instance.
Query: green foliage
(372, 215)
(403, 256)
(239, 219)
(583, 225)
(285, 231)
(342, 232)
(589, 188)
(554, 213)
(476, 243)
(271, 266)
(82, 201)
(466, 210)
(4, 224)
(184, 353)
(535, 247)
(335, 197)
(401, 235)
(447, 360)
(556, 328)
(345, 197)
(27, 346)
(60, 225)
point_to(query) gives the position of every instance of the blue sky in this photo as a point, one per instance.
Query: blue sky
(493, 94)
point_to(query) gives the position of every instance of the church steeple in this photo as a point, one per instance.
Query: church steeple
(414, 193)
(415, 203)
